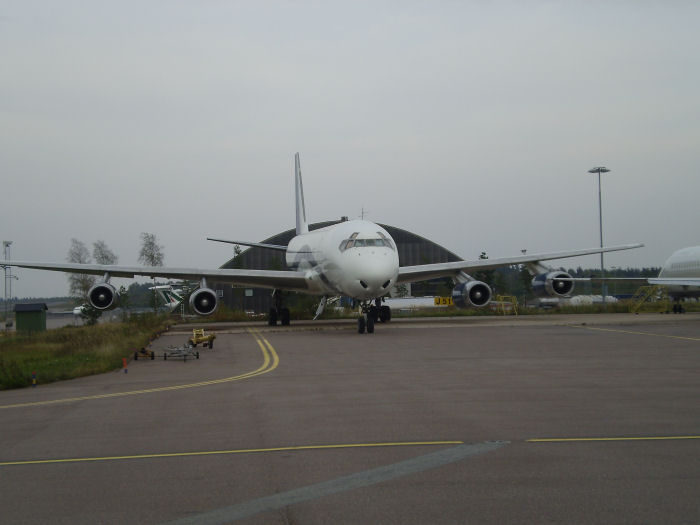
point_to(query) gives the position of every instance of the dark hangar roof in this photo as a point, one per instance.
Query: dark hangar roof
(413, 249)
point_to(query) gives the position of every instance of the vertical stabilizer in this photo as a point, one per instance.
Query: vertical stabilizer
(302, 227)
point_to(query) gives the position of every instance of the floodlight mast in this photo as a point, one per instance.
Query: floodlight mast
(6, 255)
(599, 170)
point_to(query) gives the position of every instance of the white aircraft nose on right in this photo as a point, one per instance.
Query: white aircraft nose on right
(372, 274)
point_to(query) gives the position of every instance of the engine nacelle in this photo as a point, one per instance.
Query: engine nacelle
(103, 296)
(471, 294)
(552, 284)
(203, 301)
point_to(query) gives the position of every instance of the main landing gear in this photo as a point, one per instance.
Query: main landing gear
(371, 313)
(678, 307)
(279, 311)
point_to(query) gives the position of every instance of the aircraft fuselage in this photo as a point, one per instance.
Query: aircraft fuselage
(683, 263)
(355, 258)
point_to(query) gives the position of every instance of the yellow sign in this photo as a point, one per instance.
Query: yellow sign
(444, 301)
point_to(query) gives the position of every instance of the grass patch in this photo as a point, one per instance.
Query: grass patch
(73, 351)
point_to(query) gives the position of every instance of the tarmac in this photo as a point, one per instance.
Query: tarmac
(534, 419)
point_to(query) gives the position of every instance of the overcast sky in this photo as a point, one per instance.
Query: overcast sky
(470, 123)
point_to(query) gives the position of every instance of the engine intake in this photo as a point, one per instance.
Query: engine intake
(552, 284)
(471, 294)
(203, 301)
(103, 296)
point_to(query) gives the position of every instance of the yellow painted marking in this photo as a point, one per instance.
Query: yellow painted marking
(581, 439)
(632, 332)
(240, 451)
(269, 356)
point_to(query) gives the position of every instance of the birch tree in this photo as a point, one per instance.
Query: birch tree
(79, 283)
(102, 254)
(151, 253)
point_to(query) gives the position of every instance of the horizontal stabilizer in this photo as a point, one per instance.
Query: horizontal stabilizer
(256, 244)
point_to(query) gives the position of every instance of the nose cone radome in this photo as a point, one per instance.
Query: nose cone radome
(374, 276)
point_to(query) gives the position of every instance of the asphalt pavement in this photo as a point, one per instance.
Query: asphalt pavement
(569, 419)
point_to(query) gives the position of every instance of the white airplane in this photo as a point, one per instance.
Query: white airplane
(356, 259)
(680, 274)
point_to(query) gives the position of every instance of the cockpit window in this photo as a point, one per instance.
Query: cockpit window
(354, 242)
(386, 240)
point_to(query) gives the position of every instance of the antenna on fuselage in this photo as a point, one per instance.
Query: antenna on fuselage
(302, 226)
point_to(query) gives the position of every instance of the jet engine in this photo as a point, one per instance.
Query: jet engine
(471, 294)
(552, 284)
(203, 301)
(103, 296)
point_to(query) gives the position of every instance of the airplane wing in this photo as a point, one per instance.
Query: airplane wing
(431, 271)
(674, 281)
(284, 280)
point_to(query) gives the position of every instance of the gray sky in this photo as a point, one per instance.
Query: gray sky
(470, 123)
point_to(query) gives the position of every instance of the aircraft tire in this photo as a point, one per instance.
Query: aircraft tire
(361, 324)
(284, 315)
(385, 314)
(370, 324)
(272, 319)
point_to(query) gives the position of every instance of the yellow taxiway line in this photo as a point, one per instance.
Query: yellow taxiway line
(583, 440)
(270, 362)
(240, 451)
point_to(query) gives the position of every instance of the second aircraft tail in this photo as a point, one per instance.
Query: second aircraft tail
(302, 226)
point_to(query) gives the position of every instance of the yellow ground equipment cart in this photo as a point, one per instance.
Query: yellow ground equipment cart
(199, 337)
(144, 354)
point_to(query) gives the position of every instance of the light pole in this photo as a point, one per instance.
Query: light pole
(6, 256)
(599, 170)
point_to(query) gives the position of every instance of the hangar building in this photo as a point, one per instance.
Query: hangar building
(413, 249)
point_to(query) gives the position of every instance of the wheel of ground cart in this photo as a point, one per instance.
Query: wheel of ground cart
(136, 356)
(197, 354)
(211, 344)
(153, 356)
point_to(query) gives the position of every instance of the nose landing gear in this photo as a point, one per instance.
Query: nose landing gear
(365, 322)
(371, 313)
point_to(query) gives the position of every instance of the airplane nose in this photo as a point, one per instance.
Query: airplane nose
(376, 278)
(374, 286)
